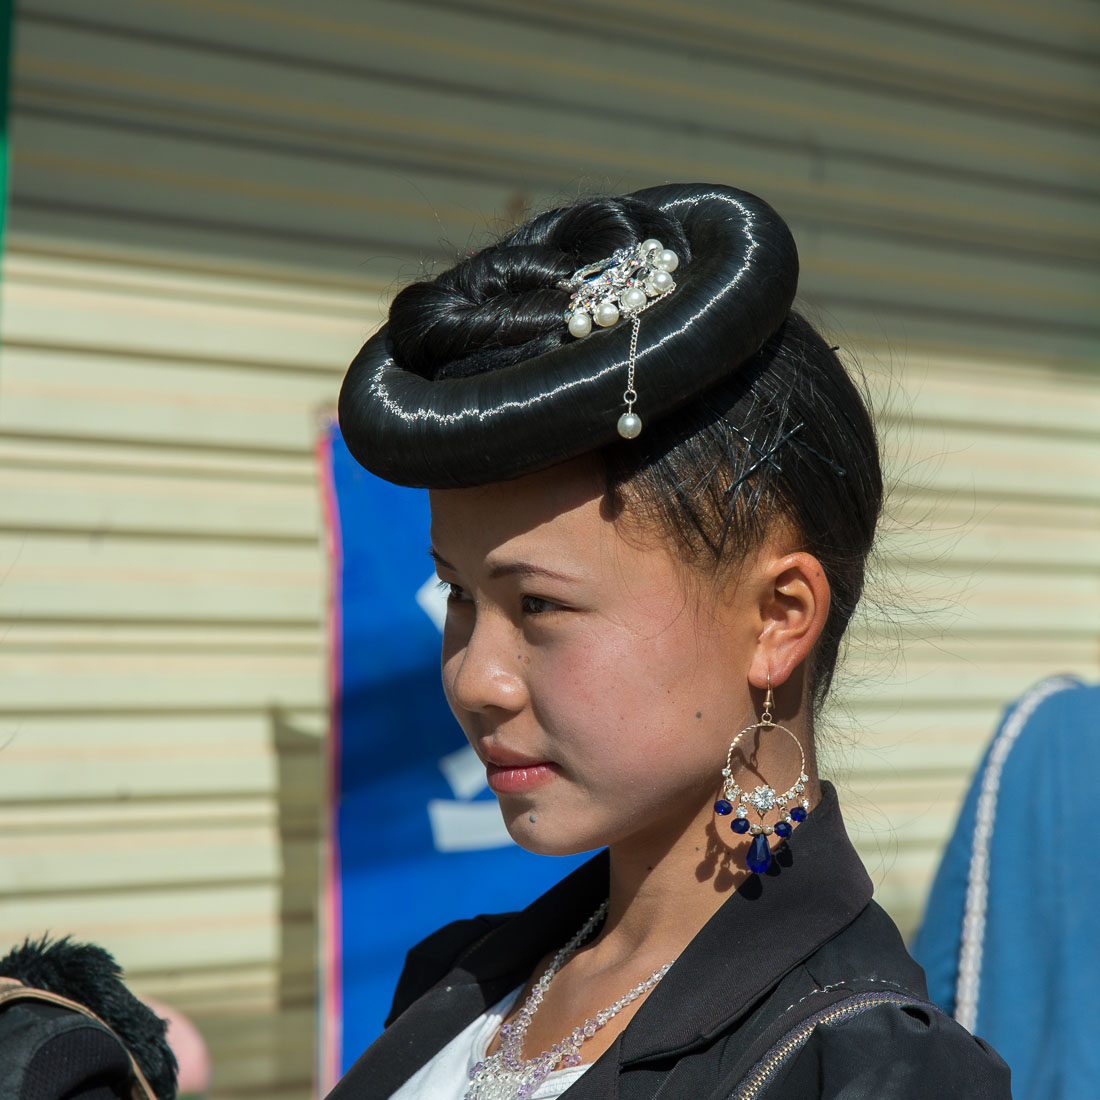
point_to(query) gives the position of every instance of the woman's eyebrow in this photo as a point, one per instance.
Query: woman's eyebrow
(510, 569)
(528, 569)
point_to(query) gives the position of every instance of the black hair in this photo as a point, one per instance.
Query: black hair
(500, 306)
(785, 435)
(787, 438)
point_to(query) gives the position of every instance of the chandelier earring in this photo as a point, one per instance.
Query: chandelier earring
(792, 803)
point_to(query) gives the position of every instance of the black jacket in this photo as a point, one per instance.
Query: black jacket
(792, 945)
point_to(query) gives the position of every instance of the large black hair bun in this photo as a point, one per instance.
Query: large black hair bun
(476, 379)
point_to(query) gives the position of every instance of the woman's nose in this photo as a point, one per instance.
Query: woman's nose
(486, 672)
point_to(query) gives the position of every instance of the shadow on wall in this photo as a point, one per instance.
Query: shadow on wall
(300, 806)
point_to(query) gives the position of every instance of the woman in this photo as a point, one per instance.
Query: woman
(653, 493)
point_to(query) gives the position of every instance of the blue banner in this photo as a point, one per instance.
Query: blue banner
(418, 836)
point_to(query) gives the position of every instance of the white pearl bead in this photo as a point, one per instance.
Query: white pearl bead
(580, 324)
(666, 260)
(607, 313)
(630, 426)
(650, 245)
(633, 298)
(660, 281)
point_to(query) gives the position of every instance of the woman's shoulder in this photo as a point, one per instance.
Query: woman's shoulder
(900, 1049)
(435, 955)
(855, 1023)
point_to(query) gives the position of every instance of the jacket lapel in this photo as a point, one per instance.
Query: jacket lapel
(812, 891)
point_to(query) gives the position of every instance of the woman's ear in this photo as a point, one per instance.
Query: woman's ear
(793, 605)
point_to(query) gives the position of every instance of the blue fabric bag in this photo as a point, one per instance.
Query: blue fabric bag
(1011, 935)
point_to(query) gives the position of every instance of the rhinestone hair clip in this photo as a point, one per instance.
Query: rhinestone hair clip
(623, 285)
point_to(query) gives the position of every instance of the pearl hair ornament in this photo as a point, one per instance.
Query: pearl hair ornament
(623, 285)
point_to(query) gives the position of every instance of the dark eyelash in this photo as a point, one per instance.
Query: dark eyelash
(448, 588)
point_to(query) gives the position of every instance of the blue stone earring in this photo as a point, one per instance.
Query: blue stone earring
(763, 798)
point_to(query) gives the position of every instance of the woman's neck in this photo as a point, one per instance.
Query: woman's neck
(662, 892)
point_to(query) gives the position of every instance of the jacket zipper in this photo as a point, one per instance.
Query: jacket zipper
(765, 1070)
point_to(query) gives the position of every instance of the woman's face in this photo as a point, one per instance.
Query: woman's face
(598, 687)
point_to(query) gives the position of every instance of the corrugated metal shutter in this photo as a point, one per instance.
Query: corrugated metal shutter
(5, 65)
(163, 701)
(211, 200)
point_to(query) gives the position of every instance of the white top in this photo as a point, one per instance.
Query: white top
(447, 1075)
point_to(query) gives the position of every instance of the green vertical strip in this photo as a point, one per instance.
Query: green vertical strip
(6, 15)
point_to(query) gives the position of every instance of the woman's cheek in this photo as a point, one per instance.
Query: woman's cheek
(450, 663)
(592, 685)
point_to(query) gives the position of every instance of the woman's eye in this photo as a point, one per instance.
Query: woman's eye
(453, 592)
(536, 605)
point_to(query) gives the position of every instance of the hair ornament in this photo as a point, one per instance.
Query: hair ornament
(619, 286)
(735, 280)
(623, 285)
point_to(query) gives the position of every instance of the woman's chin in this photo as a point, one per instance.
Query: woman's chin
(546, 838)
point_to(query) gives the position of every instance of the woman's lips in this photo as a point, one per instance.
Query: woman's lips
(518, 778)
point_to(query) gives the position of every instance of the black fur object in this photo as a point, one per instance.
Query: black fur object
(89, 975)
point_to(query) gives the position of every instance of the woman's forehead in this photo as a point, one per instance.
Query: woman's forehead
(561, 512)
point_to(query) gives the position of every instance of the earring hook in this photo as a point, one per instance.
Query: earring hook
(769, 702)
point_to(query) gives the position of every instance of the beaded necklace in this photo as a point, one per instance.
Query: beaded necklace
(505, 1075)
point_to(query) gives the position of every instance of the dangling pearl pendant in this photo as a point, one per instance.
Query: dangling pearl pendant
(630, 425)
(620, 286)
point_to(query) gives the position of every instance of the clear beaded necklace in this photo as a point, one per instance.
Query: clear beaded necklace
(505, 1075)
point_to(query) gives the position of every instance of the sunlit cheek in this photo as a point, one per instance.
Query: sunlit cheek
(452, 654)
